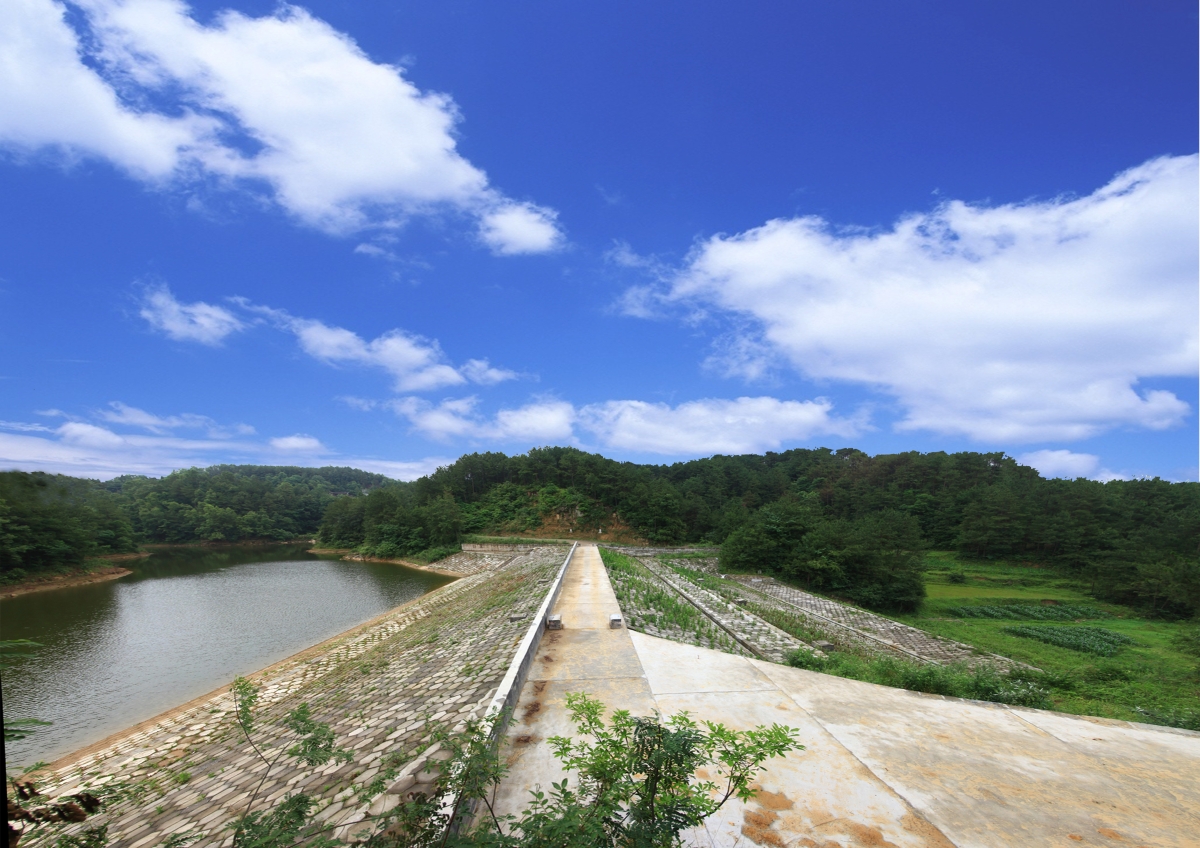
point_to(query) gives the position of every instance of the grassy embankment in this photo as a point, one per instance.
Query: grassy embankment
(1152, 677)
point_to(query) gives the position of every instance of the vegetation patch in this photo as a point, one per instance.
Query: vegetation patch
(982, 684)
(1029, 612)
(652, 607)
(1090, 640)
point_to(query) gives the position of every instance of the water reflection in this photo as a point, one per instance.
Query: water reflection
(186, 621)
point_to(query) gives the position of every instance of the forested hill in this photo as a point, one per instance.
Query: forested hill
(842, 522)
(50, 521)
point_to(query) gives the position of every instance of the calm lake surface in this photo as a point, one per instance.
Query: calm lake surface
(185, 622)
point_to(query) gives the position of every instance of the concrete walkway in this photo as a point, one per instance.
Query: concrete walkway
(882, 767)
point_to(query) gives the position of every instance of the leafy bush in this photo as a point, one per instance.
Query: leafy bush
(1090, 640)
(1034, 612)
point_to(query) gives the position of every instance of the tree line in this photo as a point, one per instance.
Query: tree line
(841, 522)
(51, 521)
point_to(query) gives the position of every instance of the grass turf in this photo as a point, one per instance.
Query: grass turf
(1149, 679)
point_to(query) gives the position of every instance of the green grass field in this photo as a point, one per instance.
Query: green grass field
(1150, 679)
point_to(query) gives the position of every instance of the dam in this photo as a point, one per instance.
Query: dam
(881, 766)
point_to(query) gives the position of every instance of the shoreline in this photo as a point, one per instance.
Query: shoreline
(445, 572)
(65, 581)
(117, 736)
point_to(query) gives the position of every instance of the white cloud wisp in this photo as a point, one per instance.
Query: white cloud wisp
(1068, 464)
(283, 102)
(190, 322)
(1023, 322)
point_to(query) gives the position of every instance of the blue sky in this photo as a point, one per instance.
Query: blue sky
(386, 234)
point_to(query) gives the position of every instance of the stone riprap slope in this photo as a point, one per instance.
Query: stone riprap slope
(865, 630)
(438, 658)
(763, 639)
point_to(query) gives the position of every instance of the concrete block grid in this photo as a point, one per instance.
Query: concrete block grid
(760, 638)
(438, 658)
(866, 630)
(840, 623)
(647, 601)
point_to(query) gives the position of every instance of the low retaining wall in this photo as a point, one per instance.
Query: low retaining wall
(504, 702)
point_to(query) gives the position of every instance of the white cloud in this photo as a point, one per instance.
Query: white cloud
(699, 427)
(542, 421)
(282, 101)
(1022, 322)
(25, 427)
(89, 436)
(84, 449)
(298, 443)
(516, 228)
(120, 413)
(415, 362)
(193, 322)
(49, 98)
(1065, 463)
(481, 371)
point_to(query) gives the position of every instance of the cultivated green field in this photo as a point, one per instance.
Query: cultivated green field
(1151, 679)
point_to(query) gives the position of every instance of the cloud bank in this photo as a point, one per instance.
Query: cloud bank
(694, 428)
(82, 448)
(282, 104)
(1022, 322)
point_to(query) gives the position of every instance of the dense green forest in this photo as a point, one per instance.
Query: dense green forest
(50, 522)
(840, 522)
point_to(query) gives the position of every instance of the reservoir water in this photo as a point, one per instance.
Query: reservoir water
(185, 622)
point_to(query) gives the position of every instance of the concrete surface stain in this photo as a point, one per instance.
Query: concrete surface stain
(1110, 833)
(531, 711)
(756, 826)
(773, 800)
(918, 825)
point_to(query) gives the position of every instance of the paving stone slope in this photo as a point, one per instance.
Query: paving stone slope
(866, 630)
(473, 562)
(440, 657)
(764, 640)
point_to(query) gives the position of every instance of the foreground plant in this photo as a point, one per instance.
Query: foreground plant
(635, 785)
